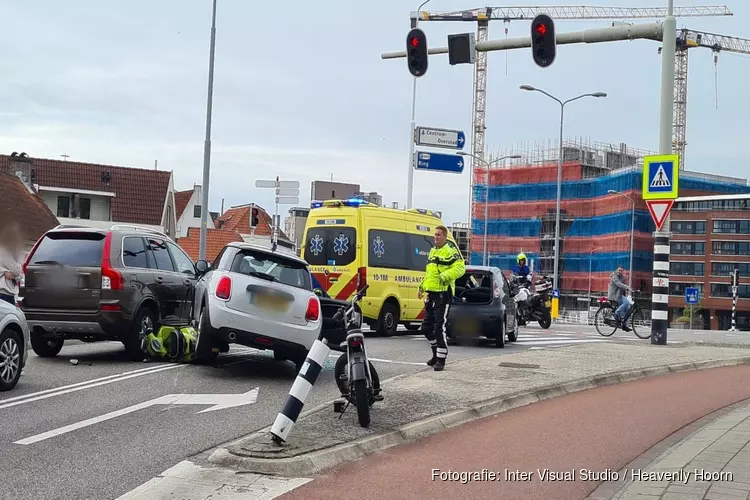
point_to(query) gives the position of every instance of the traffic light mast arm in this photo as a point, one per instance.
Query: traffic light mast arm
(647, 31)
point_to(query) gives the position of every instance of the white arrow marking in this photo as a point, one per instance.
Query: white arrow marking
(219, 402)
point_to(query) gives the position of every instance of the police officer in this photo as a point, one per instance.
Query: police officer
(522, 269)
(444, 266)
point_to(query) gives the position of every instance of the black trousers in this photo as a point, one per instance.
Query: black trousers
(436, 315)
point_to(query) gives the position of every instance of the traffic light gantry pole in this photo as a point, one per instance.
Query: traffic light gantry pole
(648, 31)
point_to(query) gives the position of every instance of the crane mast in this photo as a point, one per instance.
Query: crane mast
(687, 39)
(482, 16)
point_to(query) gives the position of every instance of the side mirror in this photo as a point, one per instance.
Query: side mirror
(201, 266)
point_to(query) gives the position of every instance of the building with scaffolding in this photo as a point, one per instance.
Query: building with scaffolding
(600, 205)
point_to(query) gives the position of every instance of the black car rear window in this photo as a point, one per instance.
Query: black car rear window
(77, 249)
(272, 267)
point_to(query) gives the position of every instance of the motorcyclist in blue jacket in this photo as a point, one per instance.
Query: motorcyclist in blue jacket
(522, 269)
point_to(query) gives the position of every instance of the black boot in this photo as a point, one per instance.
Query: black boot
(432, 361)
(439, 365)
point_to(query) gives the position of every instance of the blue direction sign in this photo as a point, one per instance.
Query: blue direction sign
(660, 177)
(440, 138)
(437, 162)
(691, 296)
(556, 293)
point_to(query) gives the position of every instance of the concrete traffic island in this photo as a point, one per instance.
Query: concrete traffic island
(426, 402)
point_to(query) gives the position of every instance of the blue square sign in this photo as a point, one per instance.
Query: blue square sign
(691, 296)
(660, 177)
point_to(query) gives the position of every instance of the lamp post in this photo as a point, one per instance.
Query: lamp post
(485, 260)
(207, 142)
(632, 232)
(410, 175)
(559, 167)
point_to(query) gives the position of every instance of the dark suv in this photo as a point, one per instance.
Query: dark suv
(104, 284)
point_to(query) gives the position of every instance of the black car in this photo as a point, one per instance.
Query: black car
(104, 284)
(483, 307)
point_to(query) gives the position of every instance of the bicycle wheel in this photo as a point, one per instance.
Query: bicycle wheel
(637, 320)
(604, 313)
(363, 408)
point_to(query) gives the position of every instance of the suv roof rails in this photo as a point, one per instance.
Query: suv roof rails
(131, 227)
(71, 226)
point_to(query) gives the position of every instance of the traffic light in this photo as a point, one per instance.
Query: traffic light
(543, 43)
(254, 217)
(461, 49)
(736, 278)
(416, 52)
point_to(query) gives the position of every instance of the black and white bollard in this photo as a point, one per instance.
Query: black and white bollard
(735, 285)
(305, 380)
(660, 290)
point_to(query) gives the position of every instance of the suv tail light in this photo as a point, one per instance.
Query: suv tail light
(31, 254)
(313, 309)
(111, 278)
(224, 288)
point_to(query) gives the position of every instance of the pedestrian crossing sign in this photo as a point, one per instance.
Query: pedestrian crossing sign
(660, 177)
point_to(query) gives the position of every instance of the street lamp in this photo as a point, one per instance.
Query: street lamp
(207, 143)
(410, 174)
(559, 167)
(485, 260)
(632, 231)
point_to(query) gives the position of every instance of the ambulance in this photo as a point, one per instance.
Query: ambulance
(351, 243)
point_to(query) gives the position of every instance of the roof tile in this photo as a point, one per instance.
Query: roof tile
(181, 199)
(18, 204)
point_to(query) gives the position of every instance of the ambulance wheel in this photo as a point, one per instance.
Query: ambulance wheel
(388, 319)
(143, 324)
(205, 350)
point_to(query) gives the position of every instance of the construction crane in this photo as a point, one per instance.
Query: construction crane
(483, 15)
(687, 39)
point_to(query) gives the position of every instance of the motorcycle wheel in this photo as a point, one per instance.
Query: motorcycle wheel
(546, 320)
(363, 408)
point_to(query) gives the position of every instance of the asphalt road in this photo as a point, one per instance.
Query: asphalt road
(112, 454)
(589, 434)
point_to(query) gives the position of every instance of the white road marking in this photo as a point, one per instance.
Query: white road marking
(219, 402)
(49, 393)
(553, 342)
(397, 362)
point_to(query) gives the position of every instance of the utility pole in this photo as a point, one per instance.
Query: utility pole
(660, 294)
(207, 144)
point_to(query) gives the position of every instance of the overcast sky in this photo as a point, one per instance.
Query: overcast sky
(301, 92)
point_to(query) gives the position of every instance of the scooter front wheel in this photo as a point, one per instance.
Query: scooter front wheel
(363, 407)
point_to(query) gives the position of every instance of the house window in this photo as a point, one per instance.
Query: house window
(678, 289)
(686, 268)
(63, 206)
(196, 211)
(688, 227)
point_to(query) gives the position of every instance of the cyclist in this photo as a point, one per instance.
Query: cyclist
(617, 287)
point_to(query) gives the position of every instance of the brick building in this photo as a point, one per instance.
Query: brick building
(710, 239)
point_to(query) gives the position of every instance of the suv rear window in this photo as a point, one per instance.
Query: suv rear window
(272, 267)
(76, 249)
(330, 246)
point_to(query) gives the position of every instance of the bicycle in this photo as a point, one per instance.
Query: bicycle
(355, 376)
(605, 317)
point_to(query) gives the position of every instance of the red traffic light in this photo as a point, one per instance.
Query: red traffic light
(414, 42)
(541, 29)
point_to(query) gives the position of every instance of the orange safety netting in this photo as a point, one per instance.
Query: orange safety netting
(527, 174)
(617, 242)
(504, 244)
(600, 282)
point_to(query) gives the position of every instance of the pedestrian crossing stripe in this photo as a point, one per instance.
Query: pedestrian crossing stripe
(660, 178)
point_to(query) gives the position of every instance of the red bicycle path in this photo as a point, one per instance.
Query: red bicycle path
(597, 429)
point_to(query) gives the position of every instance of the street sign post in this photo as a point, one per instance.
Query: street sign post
(437, 162)
(439, 138)
(659, 210)
(287, 193)
(555, 303)
(691, 299)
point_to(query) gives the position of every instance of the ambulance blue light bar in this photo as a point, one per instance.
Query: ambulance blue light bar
(351, 202)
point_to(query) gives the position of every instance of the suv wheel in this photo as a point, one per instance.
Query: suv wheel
(143, 324)
(205, 350)
(44, 347)
(10, 359)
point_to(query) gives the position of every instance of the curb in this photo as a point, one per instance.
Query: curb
(317, 461)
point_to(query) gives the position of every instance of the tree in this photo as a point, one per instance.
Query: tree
(696, 313)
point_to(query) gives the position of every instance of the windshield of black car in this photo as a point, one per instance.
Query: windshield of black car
(75, 249)
(271, 267)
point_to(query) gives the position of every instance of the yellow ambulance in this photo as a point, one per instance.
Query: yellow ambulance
(350, 243)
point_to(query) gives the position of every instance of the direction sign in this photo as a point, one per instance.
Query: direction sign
(289, 184)
(691, 296)
(440, 138)
(437, 162)
(659, 210)
(216, 402)
(287, 200)
(660, 177)
(287, 192)
(265, 184)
